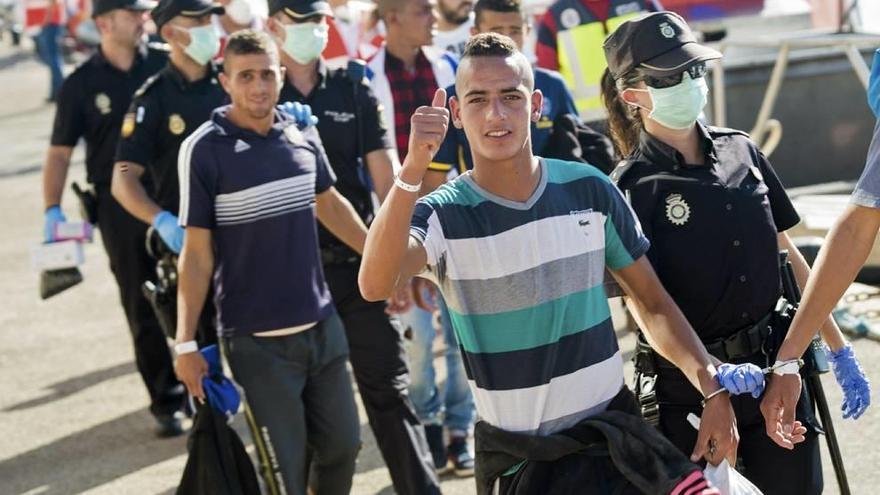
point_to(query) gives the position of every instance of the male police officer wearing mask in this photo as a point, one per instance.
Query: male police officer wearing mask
(166, 109)
(91, 105)
(361, 153)
(169, 107)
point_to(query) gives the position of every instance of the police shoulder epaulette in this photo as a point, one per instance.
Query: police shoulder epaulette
(147, 85)
(725, 131)
(159, 46)
(620, 170)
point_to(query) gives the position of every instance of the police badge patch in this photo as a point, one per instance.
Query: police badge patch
(666, 30)
(678, 212)
(176, 124)
(102, 103)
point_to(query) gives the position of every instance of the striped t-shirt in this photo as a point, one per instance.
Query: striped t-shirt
(523, 282)
(257, 196)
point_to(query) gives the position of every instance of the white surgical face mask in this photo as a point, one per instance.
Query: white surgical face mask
(240, 11)
(204, 43)
(679, 106)
(304, 42)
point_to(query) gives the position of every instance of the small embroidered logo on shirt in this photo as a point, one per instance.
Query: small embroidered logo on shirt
(677, 210)
(241, 146)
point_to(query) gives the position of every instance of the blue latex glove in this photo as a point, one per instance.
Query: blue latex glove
(741, 379)
(874, 86)
(851, 377)
(53, 217)
(301, 113)
(172, 234)
(220, 391)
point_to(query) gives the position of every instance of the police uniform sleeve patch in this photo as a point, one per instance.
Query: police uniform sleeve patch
(128, 124)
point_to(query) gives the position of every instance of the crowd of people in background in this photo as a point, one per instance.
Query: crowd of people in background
(177, 107)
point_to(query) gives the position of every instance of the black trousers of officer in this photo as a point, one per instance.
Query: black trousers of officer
(774, 470)
(378, 359)
(123, 237)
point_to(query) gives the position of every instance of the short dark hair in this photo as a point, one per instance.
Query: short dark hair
(250, 42)
(496, 45)
(489, 45)
(504, 6)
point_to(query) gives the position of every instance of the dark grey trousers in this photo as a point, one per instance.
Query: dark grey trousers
(299, 400)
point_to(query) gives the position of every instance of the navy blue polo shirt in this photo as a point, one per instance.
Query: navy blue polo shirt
(455, 152)
(257, 195)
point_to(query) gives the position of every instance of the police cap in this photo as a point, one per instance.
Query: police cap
(300, 9)
(169, 9)
(659, 44)
(100, 7)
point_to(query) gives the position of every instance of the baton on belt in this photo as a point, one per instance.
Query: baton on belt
(815, 364)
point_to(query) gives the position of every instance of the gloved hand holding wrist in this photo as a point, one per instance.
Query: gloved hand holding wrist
(852, 380)
(165, 224)
(741, 379)
(53, 217)
(301, 113)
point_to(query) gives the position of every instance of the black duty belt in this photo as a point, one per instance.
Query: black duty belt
(741, 344)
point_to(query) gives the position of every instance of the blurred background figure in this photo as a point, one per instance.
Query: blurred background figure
(454, 24)
(570, 37)
(355, 32)
(47, 18)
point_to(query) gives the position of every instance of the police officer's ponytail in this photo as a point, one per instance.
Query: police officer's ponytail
(624, 121)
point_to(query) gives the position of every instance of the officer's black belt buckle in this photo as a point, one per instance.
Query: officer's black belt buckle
(743, 343)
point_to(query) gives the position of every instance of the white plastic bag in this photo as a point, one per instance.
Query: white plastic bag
(728, 481)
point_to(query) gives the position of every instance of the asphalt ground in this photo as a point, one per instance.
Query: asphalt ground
(73, 411)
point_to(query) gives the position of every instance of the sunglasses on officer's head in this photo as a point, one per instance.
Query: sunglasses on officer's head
(696, 71)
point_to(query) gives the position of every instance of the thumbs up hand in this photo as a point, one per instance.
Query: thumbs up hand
(428, 128)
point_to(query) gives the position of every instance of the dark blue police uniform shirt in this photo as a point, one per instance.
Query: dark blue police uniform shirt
(455, 152)
(257, 195)
(713, 228)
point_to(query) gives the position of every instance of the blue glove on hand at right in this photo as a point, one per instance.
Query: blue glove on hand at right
(301, 113)
(53, 217)
(852, 380)
(741, 379)
(172, 234)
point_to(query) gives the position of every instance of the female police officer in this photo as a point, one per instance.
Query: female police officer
(715, 213)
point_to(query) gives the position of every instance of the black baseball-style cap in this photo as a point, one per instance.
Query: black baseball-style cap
(300, 9)
(100, 7)
(169, 9)
(659, 44)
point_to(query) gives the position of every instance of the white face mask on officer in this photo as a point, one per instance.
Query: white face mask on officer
(305, 42)
(204, 43)
(677, 107)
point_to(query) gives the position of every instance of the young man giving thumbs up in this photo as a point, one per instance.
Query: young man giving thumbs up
(518, 247)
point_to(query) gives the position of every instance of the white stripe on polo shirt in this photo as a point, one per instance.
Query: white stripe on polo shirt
(266, 200)
(524, 247)
(526, 409)
(184, 159)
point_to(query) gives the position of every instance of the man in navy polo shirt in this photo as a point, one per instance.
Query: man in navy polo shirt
(251, 185)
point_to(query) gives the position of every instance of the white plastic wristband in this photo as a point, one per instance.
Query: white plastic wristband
(186, 347)
(792, 367)
(414, 188)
